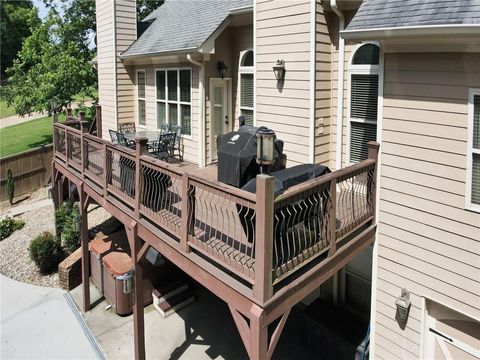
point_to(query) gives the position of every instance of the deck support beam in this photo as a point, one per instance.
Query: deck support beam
(84, 200)
(138, 309)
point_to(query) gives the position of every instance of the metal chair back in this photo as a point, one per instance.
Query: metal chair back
(127, 127)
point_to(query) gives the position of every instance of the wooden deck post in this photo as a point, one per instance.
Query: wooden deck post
(262, 288)
(138, 309)
(258, 333)
(373, 149)
(98, 116)
(84, 246)
(140, 149)
(83, 151)
(332, 221)
(188, 213)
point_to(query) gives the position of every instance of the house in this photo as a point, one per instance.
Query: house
(400, 72)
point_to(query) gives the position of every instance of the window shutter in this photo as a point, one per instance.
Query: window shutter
(476, 156)
(476, 122)
(364, 97)
(246, 89)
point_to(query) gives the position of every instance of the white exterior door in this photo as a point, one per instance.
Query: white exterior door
(220, 95)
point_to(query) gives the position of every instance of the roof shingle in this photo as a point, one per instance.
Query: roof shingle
(182, 25)
(378, 14)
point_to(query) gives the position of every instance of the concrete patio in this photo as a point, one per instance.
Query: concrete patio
(202, 330)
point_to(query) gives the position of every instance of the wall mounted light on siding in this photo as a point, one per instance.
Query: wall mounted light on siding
(279, 70)
(222, 69)
(403, 305)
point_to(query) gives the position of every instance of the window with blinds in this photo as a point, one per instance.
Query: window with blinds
(473, 156)
(247, 84)
(363, 101)
(141, 87)
(173, 98)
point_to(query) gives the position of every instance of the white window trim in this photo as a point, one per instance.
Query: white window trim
(360, 70)
(470, 151)
(166, 101)
(246, 70)
(139, 98)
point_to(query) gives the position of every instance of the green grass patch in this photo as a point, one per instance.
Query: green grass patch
(26, 136)
(5, 110)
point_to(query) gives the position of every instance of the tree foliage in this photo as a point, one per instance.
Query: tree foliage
(49, 64)
(17, 18)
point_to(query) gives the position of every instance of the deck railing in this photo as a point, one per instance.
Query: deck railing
(259, 239)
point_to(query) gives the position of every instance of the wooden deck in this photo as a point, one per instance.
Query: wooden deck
(259, 253)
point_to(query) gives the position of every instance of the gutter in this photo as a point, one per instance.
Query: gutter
(241, 10)
(411, 31)
(201, 109)
(341, 70)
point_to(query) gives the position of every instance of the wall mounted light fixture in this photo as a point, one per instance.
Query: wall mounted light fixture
(279, 70)
(222, 69)
(403, 305)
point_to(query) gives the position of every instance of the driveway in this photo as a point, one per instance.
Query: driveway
(42, 323)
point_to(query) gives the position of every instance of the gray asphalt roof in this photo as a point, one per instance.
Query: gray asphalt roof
(183, 24)
(374, 14)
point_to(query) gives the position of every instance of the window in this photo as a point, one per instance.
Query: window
(173, 98)
(247, 83)
(141, 85)
(473, 151)
(363, 101)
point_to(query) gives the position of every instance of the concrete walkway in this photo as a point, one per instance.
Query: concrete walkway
(20, 209)
(42, 323)
(17, 119)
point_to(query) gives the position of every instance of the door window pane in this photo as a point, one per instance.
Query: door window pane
(141, 112)
(185, 117)
(161, 114)
(185, 85)
(161, 85)
(172, 85)
(173, 114)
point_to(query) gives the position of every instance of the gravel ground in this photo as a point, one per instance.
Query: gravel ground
(14, 259)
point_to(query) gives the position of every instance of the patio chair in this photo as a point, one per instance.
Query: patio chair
(164, 128)
(163, 148)
(178, 140)
(127, 128)
(120, 139)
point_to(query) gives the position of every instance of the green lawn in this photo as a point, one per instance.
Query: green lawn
(25, 136)
(5, 110)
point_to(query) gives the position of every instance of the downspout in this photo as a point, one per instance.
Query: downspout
(341, 70)
(201, 107)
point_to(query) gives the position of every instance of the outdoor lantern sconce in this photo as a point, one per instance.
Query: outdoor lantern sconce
(222, 69)
(265, 143)
(279, 70)
(403, 305)
(127, 279)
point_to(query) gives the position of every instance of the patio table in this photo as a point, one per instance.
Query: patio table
(151, 135)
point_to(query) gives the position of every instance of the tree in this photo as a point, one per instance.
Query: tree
(17, 18)
(49, 64)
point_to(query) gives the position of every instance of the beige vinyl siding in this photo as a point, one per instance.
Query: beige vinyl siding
(106, 64)
(283, 32)
(427, 242)
(323, 85)
(190, 144)
(126, 34)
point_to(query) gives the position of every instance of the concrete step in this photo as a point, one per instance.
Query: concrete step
(173, 303)
(170, 289)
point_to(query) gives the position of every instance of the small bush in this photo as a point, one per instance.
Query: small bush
(10, 186)
(62, 215)
(45, 252)
(70, 234)
(9, 225)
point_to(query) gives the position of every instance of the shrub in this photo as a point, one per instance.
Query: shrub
(45, 252)
(63, 215)
(10, 186)
(9, 225)
(70, 234)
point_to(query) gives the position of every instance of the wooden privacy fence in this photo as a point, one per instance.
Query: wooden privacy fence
(31, 170)
(258, 238)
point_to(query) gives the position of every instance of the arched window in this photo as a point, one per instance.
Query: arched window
(246, 72)
(363, 101)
